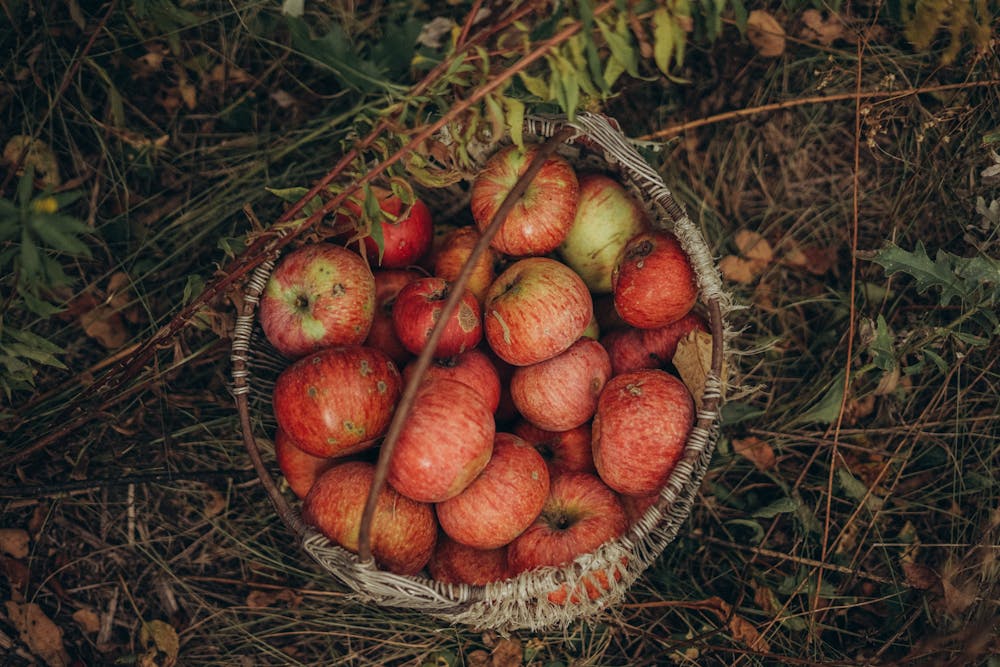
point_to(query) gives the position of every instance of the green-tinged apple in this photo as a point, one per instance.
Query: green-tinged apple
(403, 531)
(561, 393)
(456, 563)
(534, 310)
(444, 444)
(654, 283)
(418, 308)
(502, 501)
(640, 430)
(540, 220)
(607, 217)
(337, 401)
(563, 451)
(472, 367)
(319, 295)
(299, 467)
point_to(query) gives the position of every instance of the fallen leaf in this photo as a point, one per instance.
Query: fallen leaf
(820, 260)
(741, 629)
(228, 75)
(756, 451)
(920, 576)
(766, 34)
(693, 361)
(738, 270)
(14, 542)
(36, 154)
(17, 575)
(826, 32)
(37, 631)
(284, 99)
(753, 246)
(88, 620)
(508, 653)
(477, 658)
(432, 34)
(755, 256)
(216, 503)
(104, 323)
(258, 599)
(159, 639)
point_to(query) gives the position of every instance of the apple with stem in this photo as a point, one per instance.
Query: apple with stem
(472, 367)
(319, 295)
(418, 308)
(563, 451)
(540, 220)
(640, 429)
(654, 283)
(403, 532)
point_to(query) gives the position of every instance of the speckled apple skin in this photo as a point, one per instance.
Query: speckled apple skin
(561, 393)
(418, 308)
(403, 533)
(563, 451)
(540, 220)
(640, 429)
(338, 400)
(444, 444)
(654, 283)
(502, 501)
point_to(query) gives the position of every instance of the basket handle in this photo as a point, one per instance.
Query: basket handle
(423, 361)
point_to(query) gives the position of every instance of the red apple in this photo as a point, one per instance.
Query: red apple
(403, 531)
(540, 220)
(455, 563)
(502, 501)
(636, 506)
(561, 393)
(445, 443)
(451, 257)
(406, 230)
(338, 400)
(534, 310)
(383, 336)
(627, 351)
(564, 451)
(418, 308)
(505, 412)
(640, 429)
(299, 467)
(661, 343)
(654, 282)
(319, 295)
(580, 514)
(607, 217)
(472, 367)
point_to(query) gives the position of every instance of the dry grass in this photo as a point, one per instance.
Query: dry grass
(870, 538)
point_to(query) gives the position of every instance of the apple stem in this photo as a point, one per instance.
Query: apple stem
(426, 355)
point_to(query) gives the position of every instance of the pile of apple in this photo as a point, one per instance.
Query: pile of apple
(533, 438)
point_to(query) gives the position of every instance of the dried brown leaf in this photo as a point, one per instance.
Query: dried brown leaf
(14, 542)
(105, 324)
(693, 361)
(738, 270)
(508, 653)
(754, 247)
(37, 631)
(741, 629)
(920, 576)
(824, 31)
(258, 599)
(756, 451)
(478, 658)
(37, 154)
(161, 644)
(17, 575)
(88, 620)
(766, 34)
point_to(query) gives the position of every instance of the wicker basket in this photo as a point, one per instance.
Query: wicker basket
(521, 602)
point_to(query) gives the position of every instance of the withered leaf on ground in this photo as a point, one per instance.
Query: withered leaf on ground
(37, 631)
(755, 256)
(756, 451)
(824, 31)
(740, 628)
(161, 644)
(258, 599)
(920, 576)
(88, 620)
(693, 361)
(14, 542)
(766, 34)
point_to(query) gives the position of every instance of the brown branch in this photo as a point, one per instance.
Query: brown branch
(426, 355)
(892, 95)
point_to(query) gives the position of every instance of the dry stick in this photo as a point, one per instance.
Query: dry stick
(424, 360)
(268, 245)
(63, 85)
(818, 99)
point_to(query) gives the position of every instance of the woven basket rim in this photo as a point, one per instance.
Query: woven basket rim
(521, 602)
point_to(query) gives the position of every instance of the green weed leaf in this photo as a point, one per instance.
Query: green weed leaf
(780, 506)
(961, 278)
(827, 408)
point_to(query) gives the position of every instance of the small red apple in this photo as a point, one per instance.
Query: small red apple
(472, 367)
(580, 514)
(445, 443)
(561, 393)
(455, 563)
(451, 257)
(534, 310)
(502, 501)
(403, 531)
(319, 295)
(540, 220)
(299, 467)
(607, 217)
(406, 231)
(382, 335)
(564, 451)
(654, 282)
(337, 401)
(627, 351)
(661, 343)
(418, 308)
(640, 430)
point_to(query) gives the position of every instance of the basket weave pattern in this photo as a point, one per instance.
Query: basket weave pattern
(520, 602)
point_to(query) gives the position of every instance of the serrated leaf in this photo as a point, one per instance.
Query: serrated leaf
(34, 340)
(333, 51)
(28, 352)
(883, 352)
(928, 273)
(36, 305)
(663, 39)
(780, 506)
